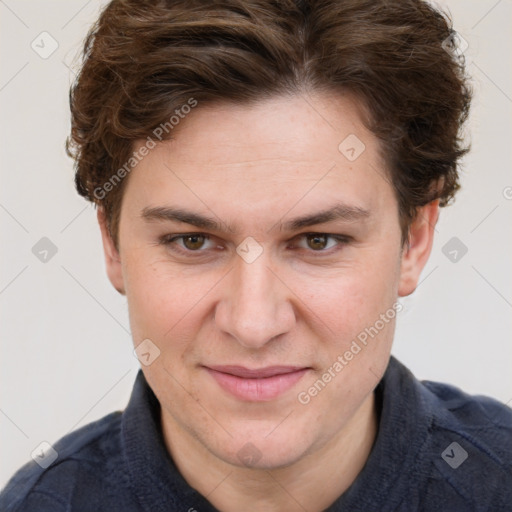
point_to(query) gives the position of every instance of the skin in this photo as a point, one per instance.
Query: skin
(254, 167)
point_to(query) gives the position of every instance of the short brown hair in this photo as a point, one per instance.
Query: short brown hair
(145, 59)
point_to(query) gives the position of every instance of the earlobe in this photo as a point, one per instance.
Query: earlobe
(112, 256)
(415, 256)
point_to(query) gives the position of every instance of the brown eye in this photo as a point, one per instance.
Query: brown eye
(188, 243)
(193, 242)
(316, 241)
(322, 243)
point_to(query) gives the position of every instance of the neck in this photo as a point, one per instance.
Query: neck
(312, 483)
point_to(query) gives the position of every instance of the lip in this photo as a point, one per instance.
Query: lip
(256, 385)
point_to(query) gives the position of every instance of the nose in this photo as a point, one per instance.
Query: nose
(256, 304)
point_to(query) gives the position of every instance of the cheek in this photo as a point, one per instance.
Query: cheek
(165, 302)
(155, 297)
(353, 357)
(349, 302)
(356, 313)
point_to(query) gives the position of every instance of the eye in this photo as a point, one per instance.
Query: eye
(322, 242)
(189, 242)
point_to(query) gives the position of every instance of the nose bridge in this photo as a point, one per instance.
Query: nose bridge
(254, 308)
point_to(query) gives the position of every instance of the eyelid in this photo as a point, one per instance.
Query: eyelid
(169, 239)
(341, 239)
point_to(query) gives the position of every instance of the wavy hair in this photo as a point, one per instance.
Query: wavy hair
(143, 59)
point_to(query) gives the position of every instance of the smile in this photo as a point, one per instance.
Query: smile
(258, 385)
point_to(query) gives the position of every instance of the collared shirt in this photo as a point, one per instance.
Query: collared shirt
(437, 449)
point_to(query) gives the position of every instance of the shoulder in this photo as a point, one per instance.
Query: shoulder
(484, 421)
(469, 446)
(443, 448)
(87, 454)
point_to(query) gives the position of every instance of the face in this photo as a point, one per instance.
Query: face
(262, 259)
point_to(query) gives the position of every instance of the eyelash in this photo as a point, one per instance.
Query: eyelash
(170, 239)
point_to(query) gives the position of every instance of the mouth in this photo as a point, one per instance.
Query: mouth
(256, 385)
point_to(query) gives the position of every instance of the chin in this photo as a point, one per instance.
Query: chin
(260, 452)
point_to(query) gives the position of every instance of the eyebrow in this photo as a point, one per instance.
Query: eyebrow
(168, 213)
(341, 212)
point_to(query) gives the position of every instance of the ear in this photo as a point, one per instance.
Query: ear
(112, 257)
(415, 256)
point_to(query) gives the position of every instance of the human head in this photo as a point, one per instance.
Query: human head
(231, 108)
(145, 62)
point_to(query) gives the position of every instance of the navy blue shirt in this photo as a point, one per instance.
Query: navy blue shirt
(437, 449)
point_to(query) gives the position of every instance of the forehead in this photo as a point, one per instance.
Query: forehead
(298, 128)
(285, 153)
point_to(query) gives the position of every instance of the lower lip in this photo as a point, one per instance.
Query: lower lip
(257, 390)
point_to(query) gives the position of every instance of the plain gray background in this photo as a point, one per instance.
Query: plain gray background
(66, 349)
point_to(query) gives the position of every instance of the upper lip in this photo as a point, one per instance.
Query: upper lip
(257, 373)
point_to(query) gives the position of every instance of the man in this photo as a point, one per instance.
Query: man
(268, 177)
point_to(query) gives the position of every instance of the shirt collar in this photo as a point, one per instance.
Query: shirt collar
(154, 478)
(403, 432)
(159, 486)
